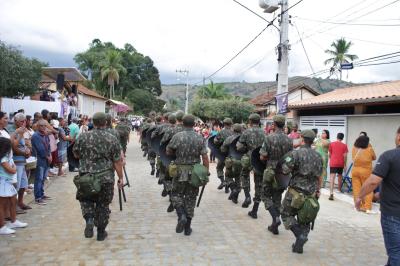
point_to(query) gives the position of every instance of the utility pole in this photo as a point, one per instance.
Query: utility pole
(283, 48)
(186, 73)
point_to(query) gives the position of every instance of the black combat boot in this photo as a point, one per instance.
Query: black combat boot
(226, 189)
(170, 208)
(247, 200)
(276, 221)
(253, 212)
(301, 237)
(188, 229)
(164, 193)
(158, 173)
(235, 195)
(181, 219)
(221, 186)
(153, 169)
(101, 234)
(89, 227)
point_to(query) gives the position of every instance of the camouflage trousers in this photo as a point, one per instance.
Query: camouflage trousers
(184, 195)
(271, 193)
(158, 163)
(99, 208)
(245, 180)
(220, 169)
(165, 178)
(151, 157)
(232, 173)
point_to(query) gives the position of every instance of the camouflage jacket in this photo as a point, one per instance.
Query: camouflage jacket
(305, 166)
(159, 129)
(97, 151)
(275, 146)
(188, 147)
(228, 141)
(222, 136)
(170, 131)
(123, 130)
(250, 139)
(113, 132)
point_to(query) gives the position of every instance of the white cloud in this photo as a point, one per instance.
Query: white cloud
(201, 35)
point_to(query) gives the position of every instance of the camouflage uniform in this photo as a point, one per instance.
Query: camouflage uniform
(218, 141)
(233, 168)
(151, 153)
(144, 145)
(124, 130)
(188, 147)
(275, 146)
(250, 139)
(305, 166)
(97, 151)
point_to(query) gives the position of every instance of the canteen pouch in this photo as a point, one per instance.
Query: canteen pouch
(228, 162)
(173, 170)
(245, 160)
(309, 211)
(88, 186)
(199, 175)
(298, 199)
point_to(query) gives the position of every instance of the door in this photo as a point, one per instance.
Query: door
(335, 125)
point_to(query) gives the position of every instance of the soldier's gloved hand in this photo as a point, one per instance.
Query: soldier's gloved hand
(317, 194)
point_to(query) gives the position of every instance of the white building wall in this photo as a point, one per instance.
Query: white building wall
(89, 105)
(299, 95)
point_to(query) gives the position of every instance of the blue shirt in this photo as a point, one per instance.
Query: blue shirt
(40, 146)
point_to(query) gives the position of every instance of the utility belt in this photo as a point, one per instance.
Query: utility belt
(195, 174)
(306, 203)
(89, 184)
(230, 162)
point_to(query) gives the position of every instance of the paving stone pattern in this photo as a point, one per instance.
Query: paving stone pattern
(223, 234)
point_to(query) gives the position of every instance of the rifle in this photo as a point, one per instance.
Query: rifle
(201, 195)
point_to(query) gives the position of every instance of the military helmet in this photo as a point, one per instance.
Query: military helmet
(228, 121)
(255, 118)
(172, 119)
(158, 119)
(99, 118)
(308, 134)
(188, 120)
(279, 119)
(179, 115)
(237, 128)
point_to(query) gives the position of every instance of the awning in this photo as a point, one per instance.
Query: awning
(118, 106)
(70, 74)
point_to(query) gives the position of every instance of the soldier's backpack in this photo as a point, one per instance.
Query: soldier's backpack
(308, 211)
(199, 175)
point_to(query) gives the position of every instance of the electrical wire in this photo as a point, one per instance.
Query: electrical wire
(269, 22)
(377, 64)
(349, 24)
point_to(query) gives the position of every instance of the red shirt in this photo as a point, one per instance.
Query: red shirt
(294, 135)
(337, 149)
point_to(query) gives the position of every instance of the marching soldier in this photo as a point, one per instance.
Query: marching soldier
(218, 141)
(99, 155)
(169, 133)
(144, 145)
(275, 146)
(233, 167)
(152, 154)
(124, 131)
(251, 138)
(301, 200)
(188, 147)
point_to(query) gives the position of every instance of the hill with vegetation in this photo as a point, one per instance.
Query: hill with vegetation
(250, 90)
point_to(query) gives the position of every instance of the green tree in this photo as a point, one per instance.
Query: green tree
(173, 105)
(110, 69)
(212, 91)
(144, 101)
(19, 75)
(340, 53)
(236, 109)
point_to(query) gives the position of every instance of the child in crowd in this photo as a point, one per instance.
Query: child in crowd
(8, 192)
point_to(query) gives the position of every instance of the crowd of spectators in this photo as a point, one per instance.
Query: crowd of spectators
(33, 149)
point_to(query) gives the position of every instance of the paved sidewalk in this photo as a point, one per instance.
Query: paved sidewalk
(223, 234)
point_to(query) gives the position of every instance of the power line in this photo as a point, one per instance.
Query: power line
(377, 64)
(378, 56)
(304, 48)
(269, 22)
(350, 24)
(236, 55)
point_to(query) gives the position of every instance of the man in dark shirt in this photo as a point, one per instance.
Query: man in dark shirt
(387, 171)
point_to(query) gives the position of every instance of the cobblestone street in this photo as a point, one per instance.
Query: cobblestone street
(223, 234)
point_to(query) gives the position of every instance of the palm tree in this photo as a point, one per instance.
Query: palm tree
(340, 54)
(212, 91)
(111, 67)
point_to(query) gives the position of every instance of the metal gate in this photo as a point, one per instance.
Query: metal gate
(335, 125)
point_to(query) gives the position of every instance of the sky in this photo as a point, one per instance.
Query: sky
(201, 36)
